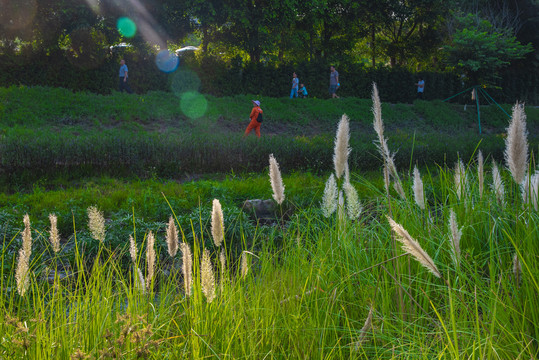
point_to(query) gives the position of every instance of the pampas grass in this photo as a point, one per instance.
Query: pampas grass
(217, 223)
(366, 327)
(529, 189)
(353, 205)
(187, 268)
(207, 280)
(497, 184)
(22, 274)
(139, 281)
(330, 198)
(276, 180)
(418, 189)
(480, 173)
(27, 236)
(244, 269)
(54, 236)
(460, 179)
(133, 249)
(413, 248)
(456, 234)
(342, 150)
(150, 260)
(516, 144)
(172, 237)
(96, 224)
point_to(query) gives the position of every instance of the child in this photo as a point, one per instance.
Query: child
(302, 92)
(255, 123)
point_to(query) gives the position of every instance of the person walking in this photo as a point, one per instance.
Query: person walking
(295, 85)
(124, 85)
(256, 119)
(333, 82)
(420, 88)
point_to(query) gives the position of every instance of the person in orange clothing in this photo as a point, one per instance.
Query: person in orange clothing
(256, 120)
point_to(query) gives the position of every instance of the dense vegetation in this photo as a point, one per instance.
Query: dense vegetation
(295, 285)
(55, 134)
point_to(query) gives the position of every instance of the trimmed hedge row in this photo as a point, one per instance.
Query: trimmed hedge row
(27, 158)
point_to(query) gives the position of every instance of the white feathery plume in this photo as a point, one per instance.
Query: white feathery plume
(27, 236)
(276, 180)
(456, 234)
(460, 179)
(217, 223)
(330, 198)
(353, 205)
(244, 265)
(22, 274)
(530, 187)
(340, 156)
(187, 268)
(222, 259)
(207, 280)
(497, 183)
(96, 223)
(150, 259)
(366, 327)
(381, 144)
(480, 173)
(172, 237)
(346, 173)
(418, 189)
(516, 144)
(133, 249)
(386, 178)
(534, 190)
(139, 281)
(413, 248)
(54, 236)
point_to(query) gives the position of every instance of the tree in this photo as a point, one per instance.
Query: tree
(481, 50)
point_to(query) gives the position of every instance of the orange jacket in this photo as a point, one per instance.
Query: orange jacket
(254, 113)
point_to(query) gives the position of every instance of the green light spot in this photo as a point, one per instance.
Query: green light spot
(126, 27)
(193, 104)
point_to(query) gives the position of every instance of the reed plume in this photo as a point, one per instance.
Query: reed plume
(54, 236)
(413, 248)
(276, 180)
(529, 188)
(330, 198)
(222, 259)
(386, 178)
(353, 205)
(516, 144)
(497, 183)
(217, 223)
(418, 189)
(207, 280)
(133, 249)
(172, 237)
(139, 281)
(480, 173)
(340, 156)
(381, 143)
(22, 273)
(460, 179)
(244, 265)
(366, 327)
(456, 234)
(517, 268)
(150, 259)
(96, 223)
(27, 236)
(187, 268)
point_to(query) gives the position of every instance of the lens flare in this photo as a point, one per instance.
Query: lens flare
(183, 81)
(193, 104)
(167, 61)
(126, 27)
(17, 14)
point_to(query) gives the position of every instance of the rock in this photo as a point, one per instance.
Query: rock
(261, 208)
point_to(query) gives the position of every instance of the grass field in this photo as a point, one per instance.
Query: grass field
(328, 275)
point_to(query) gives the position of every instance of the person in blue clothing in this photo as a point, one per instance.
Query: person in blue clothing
(302, 91)
(295, 83)
(124, 85)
